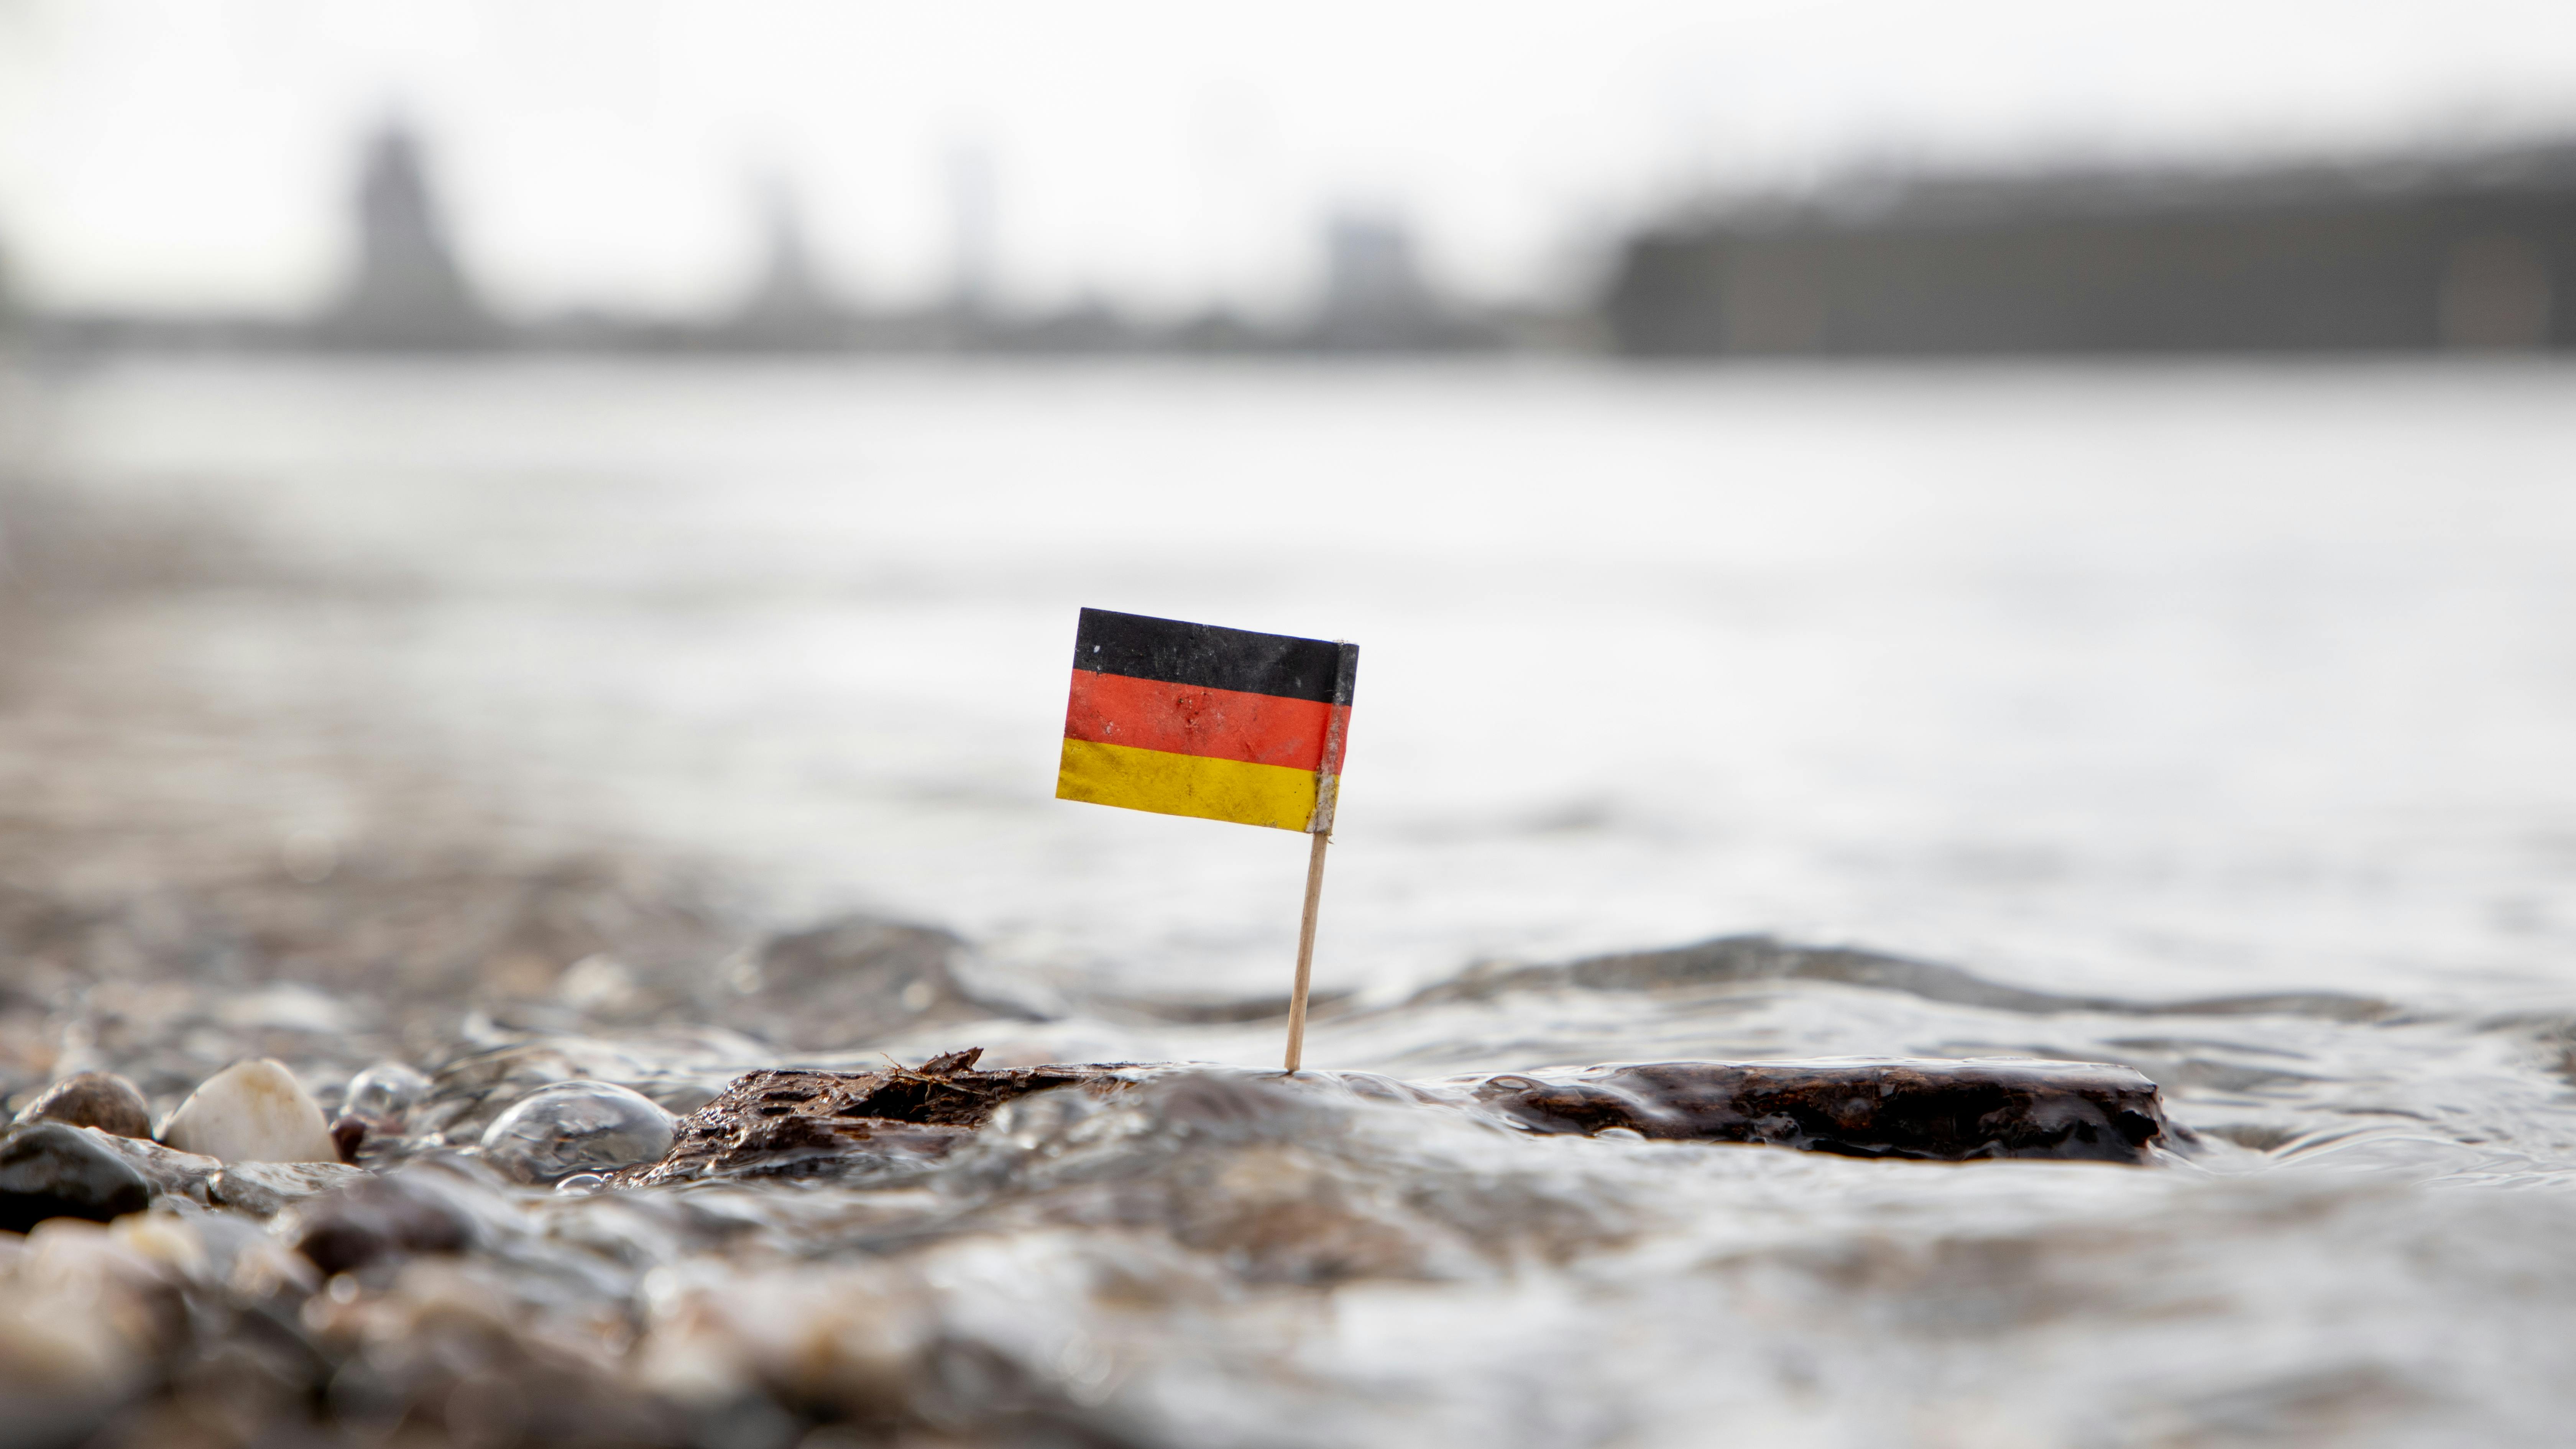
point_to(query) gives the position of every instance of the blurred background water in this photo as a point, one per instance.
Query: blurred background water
(2163, 679)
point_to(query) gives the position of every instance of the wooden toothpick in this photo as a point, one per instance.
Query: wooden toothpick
(1306, 948)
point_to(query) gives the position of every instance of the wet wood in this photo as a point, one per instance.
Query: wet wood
(1306, 947)
(792, 1123)
(1941, 1110)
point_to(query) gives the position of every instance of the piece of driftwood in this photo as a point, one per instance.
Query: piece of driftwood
(815, 1123)
(793, 1123)
(1943, 1110)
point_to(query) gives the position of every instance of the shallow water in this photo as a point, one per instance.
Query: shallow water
(2209, 720)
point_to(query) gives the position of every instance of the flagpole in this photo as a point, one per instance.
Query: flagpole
(1328, 795)
(1306, 949)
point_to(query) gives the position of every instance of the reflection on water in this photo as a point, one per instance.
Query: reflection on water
(649, 724)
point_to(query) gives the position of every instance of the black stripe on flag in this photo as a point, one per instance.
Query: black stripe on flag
(1168, 650)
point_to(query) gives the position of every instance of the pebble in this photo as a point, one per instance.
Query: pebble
(263, 1188)
(574, 1127)
(102, 1100)
(350, 1136)
(251, 1112)
(53, 1170)
(369, 1219)
(172, 1173)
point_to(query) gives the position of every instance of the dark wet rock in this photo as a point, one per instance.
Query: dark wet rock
(349, 1134)
(852, 981)
(788, 1123)
(1748, 959)
(171, 1172)
(54, 1170)
(576, 1127)
(372, 1219)
(102, 1100)
(262, 1189)
(1945, 1110)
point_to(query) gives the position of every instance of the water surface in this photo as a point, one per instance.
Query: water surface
(2216, 716)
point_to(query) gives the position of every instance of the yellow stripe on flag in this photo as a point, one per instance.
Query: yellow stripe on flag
(1172, 784)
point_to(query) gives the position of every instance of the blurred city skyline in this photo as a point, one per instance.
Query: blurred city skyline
(1158, 160)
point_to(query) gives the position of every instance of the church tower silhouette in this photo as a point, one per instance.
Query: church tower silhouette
(407, 290)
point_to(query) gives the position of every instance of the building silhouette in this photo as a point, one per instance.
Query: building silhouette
(2465, 253)
(974, 232)
(406, 290)
(789, 306)
(1375, 296)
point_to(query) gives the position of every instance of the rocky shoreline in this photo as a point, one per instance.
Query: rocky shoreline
(250, 1139)
(233, 1267)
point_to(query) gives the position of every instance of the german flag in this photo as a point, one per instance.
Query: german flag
(1191, 719)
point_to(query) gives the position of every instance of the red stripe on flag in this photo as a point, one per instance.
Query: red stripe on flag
(1190, 719)
(1337, 739)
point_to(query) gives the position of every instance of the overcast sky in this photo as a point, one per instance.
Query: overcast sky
(199, 153)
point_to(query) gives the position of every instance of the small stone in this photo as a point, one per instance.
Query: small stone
(349, 1135)
(102, 1100)
(263, 1188)
(53, 1170)
(573, 1127)
(251, 1112)
(385, 1092)
(369, 1219)
(172, 1173)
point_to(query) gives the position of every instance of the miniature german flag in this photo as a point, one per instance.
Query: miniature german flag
(1191, 719)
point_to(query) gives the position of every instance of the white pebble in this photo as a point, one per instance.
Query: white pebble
(251, 1112)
